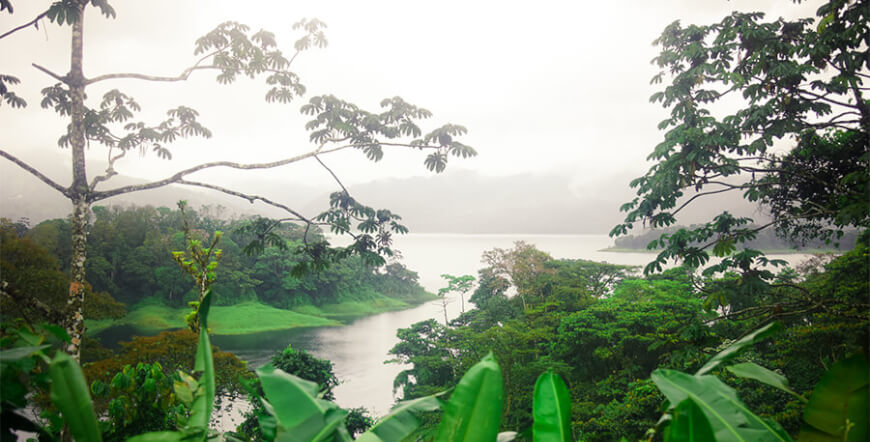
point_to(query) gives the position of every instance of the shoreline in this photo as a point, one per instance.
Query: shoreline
(765, 251)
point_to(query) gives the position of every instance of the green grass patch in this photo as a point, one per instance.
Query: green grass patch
(248, 317)
(349, 310)
(254, 317)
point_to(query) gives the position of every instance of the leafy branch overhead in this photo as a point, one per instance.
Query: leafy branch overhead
(774, 110)
(231, 51)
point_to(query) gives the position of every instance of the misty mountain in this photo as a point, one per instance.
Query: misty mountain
(461, 201)
(24, 196)
(458, 201)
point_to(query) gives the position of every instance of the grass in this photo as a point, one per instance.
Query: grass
(349, 310)
(239, 319)
(248, 317)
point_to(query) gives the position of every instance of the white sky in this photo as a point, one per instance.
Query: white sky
(543, 86)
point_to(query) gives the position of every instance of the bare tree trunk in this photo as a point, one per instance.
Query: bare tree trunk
(444, 306)
(75, 325)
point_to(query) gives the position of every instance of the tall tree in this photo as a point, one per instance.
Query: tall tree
(775, 110)
(231, 50)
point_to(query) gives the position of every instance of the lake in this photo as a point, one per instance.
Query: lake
(359, 349)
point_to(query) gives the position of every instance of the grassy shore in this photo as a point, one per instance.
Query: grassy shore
(249, 317)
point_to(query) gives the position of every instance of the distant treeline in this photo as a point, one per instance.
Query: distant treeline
(130, 257)
(765, 240)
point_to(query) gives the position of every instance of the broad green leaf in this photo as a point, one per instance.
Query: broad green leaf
(474, 410)
(689, 424)
(158, 436)
(841, 395)
(291, 401)
(551, 409)
(19, 353)
(727, 414)
(69, 392)
(751, 370)
(201, 409)
(735, 348)
(401, 421)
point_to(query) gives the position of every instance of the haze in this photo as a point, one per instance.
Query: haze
(555, 93)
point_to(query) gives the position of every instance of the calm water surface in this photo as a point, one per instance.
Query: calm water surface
(359, 349)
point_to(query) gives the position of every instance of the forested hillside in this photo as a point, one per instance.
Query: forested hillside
(131, 261)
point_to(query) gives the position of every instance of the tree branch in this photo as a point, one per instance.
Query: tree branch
(63, 190)
(96, 196)
(49, 73)
(698, 195)
(250, 198)
(26, 25)
(110, 169)
(334, 176)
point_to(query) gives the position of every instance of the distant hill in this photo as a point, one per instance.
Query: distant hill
(458, 201)
(24, 196)
(466, 202)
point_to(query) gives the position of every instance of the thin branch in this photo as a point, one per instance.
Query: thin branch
(26, 25)
(698, 195)
(96, 196)
(137, 76)
(825, 98)
(110, 169)
(49, 73)
(250, 198)
(334, 176)
(63, 190)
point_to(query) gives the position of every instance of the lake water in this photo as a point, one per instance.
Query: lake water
(359, 349)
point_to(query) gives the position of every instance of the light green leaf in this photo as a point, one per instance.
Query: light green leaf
(751, 370)
(689, 424)
(474, 410)
(291, 401)
(157, 436)
(69, 392)
(19, 353)
(551, 409)
(201, 409)
(727, 414)
(840, 396)
(401, 421)
(735, 348)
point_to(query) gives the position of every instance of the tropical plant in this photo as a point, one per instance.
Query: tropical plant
(702, 407)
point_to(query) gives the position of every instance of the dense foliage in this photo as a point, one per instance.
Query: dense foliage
(605, 343)
(131, 258)
(772, 109)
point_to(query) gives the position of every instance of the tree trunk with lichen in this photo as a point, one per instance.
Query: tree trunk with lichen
(79, 191)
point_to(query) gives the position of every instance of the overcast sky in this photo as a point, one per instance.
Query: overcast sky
(542, 87)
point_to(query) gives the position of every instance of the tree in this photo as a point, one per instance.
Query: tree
(775, 110)
(231, 50)
(460, 284)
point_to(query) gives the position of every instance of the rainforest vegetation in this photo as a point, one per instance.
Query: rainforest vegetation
(712, 340)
